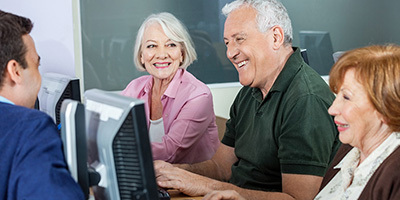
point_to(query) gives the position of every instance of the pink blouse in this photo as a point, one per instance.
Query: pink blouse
(191, 134)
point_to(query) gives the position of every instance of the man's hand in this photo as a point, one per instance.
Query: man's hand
(168, 176)
(223, 195)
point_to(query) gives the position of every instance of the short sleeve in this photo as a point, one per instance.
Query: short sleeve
(308, 137)
(230, 133)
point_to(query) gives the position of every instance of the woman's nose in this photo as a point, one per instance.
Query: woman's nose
(333, 110)
(162, 53)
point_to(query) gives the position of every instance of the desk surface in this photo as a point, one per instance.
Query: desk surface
(176, 195)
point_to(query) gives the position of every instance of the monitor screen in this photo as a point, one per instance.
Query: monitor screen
(54, 89)
(319, 50)
(119, 147)
(73, 135)
(337, 55)
(304, 56)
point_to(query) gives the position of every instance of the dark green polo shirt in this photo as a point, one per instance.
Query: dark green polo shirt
(290, 131)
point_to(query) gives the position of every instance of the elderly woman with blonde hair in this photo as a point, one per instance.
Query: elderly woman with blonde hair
(178, 106)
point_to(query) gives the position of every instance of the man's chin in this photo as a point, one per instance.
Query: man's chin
(245, 83)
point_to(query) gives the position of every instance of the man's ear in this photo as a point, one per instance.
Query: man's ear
(278, 35)
(14, 71)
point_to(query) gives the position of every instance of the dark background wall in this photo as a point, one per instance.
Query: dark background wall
(351, 24)
(109, 30)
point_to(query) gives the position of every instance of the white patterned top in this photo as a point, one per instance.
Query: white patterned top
(350, 181)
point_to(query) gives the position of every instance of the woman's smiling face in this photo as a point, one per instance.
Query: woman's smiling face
(356, 118)
(160, 55)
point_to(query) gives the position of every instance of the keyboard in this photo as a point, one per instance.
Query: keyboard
(163, 194)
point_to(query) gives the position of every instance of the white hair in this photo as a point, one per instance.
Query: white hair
(174, 30)
(269, 13)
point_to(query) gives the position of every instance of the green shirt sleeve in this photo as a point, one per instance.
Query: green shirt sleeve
(303, 149)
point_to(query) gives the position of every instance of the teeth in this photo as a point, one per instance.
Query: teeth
(342, 125)
(161, 65)
(242, 63)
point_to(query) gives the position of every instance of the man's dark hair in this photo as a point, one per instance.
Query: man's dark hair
(12, 28)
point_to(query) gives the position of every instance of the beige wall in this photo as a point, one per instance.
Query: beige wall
(223, 96)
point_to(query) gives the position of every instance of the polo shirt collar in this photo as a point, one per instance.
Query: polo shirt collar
(292, 66)
(282, 82)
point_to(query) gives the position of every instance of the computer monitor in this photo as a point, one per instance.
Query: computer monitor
(303, 53)
(319, 50)
(54, 89)
(119, 147)
(337, 55)
(73, 135)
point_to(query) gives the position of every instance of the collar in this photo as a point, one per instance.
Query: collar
(285, 77)
(4, 100)
(173, 86)
(392, 140)
(292, 66)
